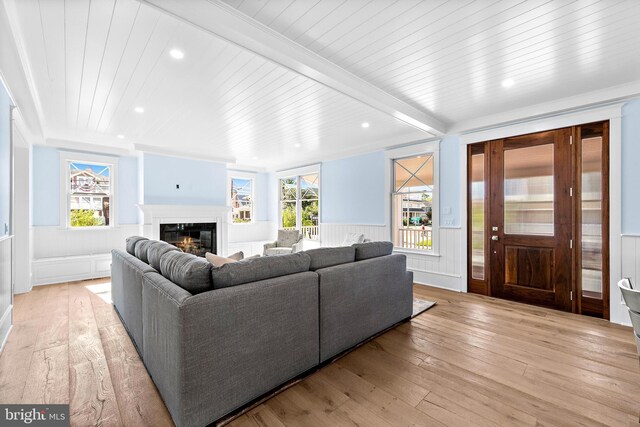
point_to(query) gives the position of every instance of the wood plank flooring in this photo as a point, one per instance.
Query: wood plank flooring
(470, 360)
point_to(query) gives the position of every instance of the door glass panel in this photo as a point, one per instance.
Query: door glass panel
(477, 216)
(528, 190)
(592, 217)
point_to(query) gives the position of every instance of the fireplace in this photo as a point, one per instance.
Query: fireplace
(193, 238)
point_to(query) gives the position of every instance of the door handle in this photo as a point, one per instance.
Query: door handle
(494, 238)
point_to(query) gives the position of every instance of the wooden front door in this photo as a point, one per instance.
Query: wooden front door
(530, 219)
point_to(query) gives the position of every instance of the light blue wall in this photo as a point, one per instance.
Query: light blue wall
(201, 182)
(46, 191)
(364, 176)
(45, 178)
(262, 202)
(631, 167)
(128, 190)
(353, 190)
(450, 181)
(5, 160)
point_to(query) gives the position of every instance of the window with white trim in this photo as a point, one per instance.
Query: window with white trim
(300, 203)
(241, 200)
(414, 201)
(89, 194)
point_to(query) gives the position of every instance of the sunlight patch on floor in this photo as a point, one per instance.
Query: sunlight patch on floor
(103, 290)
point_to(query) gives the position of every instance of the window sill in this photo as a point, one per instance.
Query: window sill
(101, 228)
(415, 252)
(241, 224)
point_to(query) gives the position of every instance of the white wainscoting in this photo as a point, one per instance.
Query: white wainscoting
(47, 271)
(62, 255)
(252, 232)
(333, 234)
(56, 242)
(6, 292)
(630, 268)
(441, 271)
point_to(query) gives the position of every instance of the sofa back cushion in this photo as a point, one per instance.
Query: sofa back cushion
(255, 269)
(328, 257)
(188, 271)
(142, 249)
(372, 250)
(288, 238)
(131, 243)
(156, 250)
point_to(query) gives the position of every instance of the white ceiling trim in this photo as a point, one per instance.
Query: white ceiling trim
(229, 24)
(15, 69)
(149, 149)
(560, 106)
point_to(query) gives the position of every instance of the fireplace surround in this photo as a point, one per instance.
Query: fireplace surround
(156, 216)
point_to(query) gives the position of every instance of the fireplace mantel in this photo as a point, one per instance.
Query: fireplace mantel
(154, 215)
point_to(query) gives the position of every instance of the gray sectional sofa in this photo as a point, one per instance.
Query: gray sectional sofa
(215, 339)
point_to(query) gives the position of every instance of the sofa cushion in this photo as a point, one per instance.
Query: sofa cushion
(217, 260)
(238, 256)
(255, 269)
(155, 252)
(188, 271)
(277, 251)
(131, 243)
(372, 250)
(328, 257)
(142, 250)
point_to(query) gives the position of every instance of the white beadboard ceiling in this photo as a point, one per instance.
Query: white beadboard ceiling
(93, 62)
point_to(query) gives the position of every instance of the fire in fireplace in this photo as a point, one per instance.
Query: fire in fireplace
(193, 238)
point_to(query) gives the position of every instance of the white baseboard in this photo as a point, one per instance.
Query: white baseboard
(5, 326)
(437, 280)
(47, 271)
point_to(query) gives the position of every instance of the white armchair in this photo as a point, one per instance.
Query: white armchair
(289, 241)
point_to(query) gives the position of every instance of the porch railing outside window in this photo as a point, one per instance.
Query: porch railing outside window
(299, 204)
(412, 202)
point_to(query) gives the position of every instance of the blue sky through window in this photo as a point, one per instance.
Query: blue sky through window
(97, 169)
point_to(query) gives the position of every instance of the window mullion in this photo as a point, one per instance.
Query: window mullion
(299, 204)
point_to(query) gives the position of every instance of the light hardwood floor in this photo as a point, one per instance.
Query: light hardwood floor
(470, 360)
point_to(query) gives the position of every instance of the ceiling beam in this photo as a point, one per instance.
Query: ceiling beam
(226, 22)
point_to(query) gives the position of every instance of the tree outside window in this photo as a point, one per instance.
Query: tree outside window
(299, 204)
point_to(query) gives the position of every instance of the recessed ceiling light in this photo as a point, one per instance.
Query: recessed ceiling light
(139, 110)
(297, 145)
(120, 136)
(365, 125)
(176, 54)
(508, 83)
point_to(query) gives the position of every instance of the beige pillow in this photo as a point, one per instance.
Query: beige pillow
(238, 256)
(217, 260)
